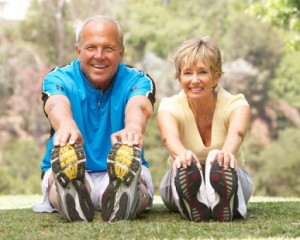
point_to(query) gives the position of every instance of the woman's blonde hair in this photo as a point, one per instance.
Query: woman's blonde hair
(193, 50)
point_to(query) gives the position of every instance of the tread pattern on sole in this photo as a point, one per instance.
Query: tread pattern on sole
(68, 167)
(120, 200)
(225, 184)
(187, 182)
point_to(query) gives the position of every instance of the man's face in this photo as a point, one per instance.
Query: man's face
(100, 52)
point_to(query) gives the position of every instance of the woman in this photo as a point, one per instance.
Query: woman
(203, 128)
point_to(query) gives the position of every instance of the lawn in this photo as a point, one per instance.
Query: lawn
(267, 218)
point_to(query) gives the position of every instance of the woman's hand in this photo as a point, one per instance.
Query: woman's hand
(185, 159)
(226, 159)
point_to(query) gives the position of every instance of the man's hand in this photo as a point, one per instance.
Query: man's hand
(138, 110)
(129, 137)
(68, 132)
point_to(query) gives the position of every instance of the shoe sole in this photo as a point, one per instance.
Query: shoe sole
(187, 182)
(224, 183)
(68, 166)
(120, 200)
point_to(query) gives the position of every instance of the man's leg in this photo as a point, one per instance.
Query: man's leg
(121, 199)
(45, 206)
(70, 194)
(146, 190)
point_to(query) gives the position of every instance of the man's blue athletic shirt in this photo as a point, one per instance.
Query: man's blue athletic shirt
(97, 114)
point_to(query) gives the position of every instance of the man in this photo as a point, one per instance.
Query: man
(98, 109)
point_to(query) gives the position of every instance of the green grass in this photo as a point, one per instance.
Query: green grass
(267, 218)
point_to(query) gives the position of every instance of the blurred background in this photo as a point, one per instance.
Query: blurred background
(260, 43)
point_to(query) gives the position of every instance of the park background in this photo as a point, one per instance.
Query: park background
(260, 43)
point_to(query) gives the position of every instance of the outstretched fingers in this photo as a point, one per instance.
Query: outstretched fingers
(185, 159)
(226, 159)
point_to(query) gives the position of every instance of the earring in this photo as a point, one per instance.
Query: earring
(215, 88)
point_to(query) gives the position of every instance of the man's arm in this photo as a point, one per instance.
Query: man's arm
(138, 111)
(59, 113)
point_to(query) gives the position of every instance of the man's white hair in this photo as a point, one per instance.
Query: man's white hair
(79, 26)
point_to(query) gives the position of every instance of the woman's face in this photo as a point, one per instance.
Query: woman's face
(197, 81)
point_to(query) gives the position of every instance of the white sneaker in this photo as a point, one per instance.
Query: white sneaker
(121, 199)
(221, 187)
(68, 167)
(192, 195)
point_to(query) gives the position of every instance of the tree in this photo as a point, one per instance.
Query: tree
(18, 161)
(52, 31)
(279, 176)
(252, 54)
(283, 13)
(257, 43)
(286, 85)
(160, 26)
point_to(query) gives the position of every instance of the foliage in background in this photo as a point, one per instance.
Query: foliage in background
(279, 175)
(286, 85)
(275, 168)
(145, 17)
(19, 174)
(160, 26)
(9, 36)
(255, 60)
(283, 13)
(59, 43)
(262, 48)
(154, 152)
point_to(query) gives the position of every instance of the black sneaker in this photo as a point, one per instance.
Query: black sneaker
(68, 167)
(187, 182)
(120, 201)
(225, 183)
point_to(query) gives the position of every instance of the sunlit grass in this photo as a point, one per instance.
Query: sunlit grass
(268, 217)
(26, 201)
(19, 201)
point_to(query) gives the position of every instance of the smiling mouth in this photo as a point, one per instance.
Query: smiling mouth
(198, 89)
(99, 66)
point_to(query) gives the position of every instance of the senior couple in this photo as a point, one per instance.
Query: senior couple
(98, 108)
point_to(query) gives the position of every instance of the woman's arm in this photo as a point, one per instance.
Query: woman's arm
(238, 126)
(170, 136)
